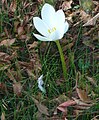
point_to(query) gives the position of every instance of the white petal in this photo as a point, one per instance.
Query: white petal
(60, 16)
(40, 80)
(66, 26)
(56, 35)
(62, 29)
(42, 38)
(42, 88)
(40, 26)
(40, 83)
(48, 15)
(53, 36)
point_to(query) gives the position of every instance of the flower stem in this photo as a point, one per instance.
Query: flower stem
(62, 59)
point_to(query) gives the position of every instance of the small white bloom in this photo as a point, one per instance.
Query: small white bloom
(52, 26)
(40, 84)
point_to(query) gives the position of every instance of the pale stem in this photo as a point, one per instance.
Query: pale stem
(62, 59)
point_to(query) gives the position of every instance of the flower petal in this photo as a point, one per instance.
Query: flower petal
(56, 35)
(60, 16)
(40, 26)
(42, 38)
(48, 14)
(62, 29)
(66, 26)
(40, 84)
(60, 23)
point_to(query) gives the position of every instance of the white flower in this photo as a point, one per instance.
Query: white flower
(40, 84)
(52, 26)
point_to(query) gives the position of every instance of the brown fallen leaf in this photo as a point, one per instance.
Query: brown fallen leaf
(33, 45)
(3, 87)
(20, 30)
(84, 16)
(4, 67)
(4, 58)
(96, 117)
(78, 107)
(67, 103)
(63, 106)
(7, 42)
(89, 44)
(13, 6)
(69, 46)
(92, 81)
(4, 55)
(77, 112)
(6, 32)
(40, 1)
(79, 102)
(23, 37)
(62, 109)
(30, 73)
(3, 116)
(83, 95)
(42, 109)
(66, 5)
(92, 21)
(39, 116)
(17, 88)
(11, 75)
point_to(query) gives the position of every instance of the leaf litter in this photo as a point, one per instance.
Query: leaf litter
(15, 67)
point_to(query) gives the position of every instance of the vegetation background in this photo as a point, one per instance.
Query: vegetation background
(23, 59)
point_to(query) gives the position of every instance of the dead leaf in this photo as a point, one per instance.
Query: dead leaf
(33, 45)
(62, 109)
(16, 23)
(82, 95)
(78, 107)
(42, 109)
(39, 116)
(26, 65)
(6, 32)
(11, 75)
(13, 6)
(69, 46)
(60, 99)
(7, 42)
(4, 67)
(66, 5)
(89, 44)
(96, 117)
(40, 1)
(92, 21)
(20, 30)
(31, 74)
(96, 2)
(84, 16)
(17, 88)
(14, 55)
(25, 20)
(23, 37)
(77, 112)
(3, 87)
(3, 1)
(63, 106)
(4, 58)
(92, 81)
(67, 103)
(3, 116)
(79, 102)
(3, 55)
